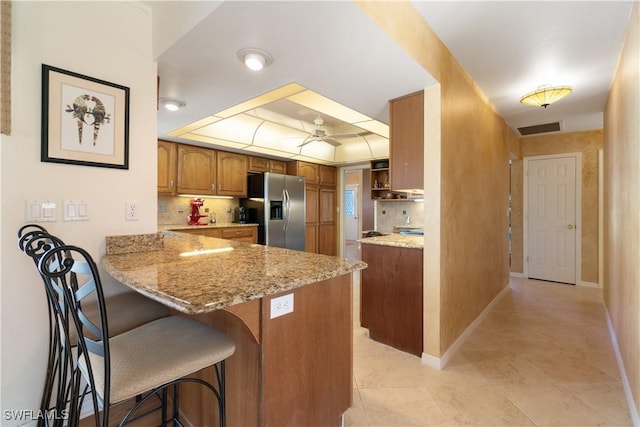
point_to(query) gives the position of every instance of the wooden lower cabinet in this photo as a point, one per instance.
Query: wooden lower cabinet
(293, 370)
(391, 296)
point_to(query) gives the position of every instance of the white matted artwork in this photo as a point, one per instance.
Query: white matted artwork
(85, 121)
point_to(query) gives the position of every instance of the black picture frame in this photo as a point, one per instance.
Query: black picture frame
(85, 121)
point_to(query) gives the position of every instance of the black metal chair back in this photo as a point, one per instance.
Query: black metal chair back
(35, 241)
(71, 273)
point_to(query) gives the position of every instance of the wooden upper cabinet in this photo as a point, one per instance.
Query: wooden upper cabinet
(328, 175)
(167, 165)
(196, 170)
(406, 145)
(231, 174)
(277, 166)
(310, 171)
(258, 164)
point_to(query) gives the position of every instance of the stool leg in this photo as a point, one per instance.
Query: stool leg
(222, 407)
(176, 405)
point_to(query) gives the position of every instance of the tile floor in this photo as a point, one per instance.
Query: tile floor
(542, 357)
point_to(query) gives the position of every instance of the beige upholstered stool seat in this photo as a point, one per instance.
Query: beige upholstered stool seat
(125, 311)
(157, 353)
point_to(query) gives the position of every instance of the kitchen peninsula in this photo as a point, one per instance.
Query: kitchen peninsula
(293, 359)
(391, 290)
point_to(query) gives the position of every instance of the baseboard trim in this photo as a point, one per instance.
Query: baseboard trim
(589, 284)
(633, 410)
(518, 275)
(441, 362)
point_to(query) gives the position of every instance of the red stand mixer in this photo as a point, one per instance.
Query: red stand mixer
(195, 216)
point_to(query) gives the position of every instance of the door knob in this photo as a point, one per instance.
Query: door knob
(570, 227)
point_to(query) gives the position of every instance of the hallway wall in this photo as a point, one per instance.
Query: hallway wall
(622, 206)
(466, 190)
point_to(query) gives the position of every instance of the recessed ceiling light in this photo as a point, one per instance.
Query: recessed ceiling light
(171, 104)
(254, 59)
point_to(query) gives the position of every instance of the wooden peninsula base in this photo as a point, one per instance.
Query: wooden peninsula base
(293, 370)
(391, 292)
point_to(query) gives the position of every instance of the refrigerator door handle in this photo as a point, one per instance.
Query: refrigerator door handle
(287, 209)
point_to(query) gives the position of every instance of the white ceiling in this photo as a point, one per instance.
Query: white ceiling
(335, 50)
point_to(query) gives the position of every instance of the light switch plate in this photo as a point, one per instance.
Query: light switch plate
(40, 211)
(281, 306)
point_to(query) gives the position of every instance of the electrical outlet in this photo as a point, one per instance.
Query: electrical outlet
(281, 306)
(131, 211)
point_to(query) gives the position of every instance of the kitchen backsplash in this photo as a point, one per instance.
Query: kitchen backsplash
(169, 210)
(390, 214)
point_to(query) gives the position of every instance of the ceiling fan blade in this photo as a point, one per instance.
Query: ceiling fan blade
(349, 135)
(343, 135)
(308, 140)
(332, 142)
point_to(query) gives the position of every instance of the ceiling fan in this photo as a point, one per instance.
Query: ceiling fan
(319, 134)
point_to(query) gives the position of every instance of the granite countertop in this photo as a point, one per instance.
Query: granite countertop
(399, 240)
(176, 227)
(197, 274)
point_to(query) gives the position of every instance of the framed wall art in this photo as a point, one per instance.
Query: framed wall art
(85, 121)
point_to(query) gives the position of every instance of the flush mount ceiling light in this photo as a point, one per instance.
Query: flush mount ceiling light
(171, 104)
(545, 95)
(254, 59)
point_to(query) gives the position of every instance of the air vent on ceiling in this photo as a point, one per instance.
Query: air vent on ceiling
(536, 129)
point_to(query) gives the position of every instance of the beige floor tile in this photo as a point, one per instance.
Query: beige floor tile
(606, 398)
(543, 357)
(478, 406)
(505, 367)
(568, 366)
(402, 407)
(553, 405)
(356, 416)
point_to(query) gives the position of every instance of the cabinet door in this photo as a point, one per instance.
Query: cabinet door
(167, 165)
(277, 166)
(327, 205)
(311, 239)
(196, 170)
(306, 169)
(328, 175)
(312, 201)
(406, 145)
(232, 174)
(258, 164)
(327, 239)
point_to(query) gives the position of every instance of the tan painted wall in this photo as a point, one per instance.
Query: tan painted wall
(588, 143)
(474, 176)
(622, 205)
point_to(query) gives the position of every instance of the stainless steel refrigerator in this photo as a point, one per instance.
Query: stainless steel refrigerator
(276, 203)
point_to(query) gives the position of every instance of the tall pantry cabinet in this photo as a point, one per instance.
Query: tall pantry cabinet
(321, 198)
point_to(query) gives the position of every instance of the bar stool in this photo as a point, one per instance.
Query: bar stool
(128, 310)
(145, 361)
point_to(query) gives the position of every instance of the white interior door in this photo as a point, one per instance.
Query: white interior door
(551, 215)
(351, 212)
